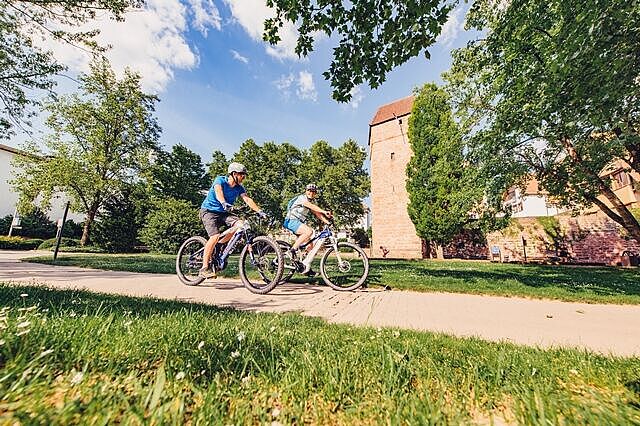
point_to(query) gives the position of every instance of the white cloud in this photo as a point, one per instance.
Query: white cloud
(356, 97)
(150, 41)
(453, 27)
(306, 88)
(250, 14)
(205, 15)
(237, 56)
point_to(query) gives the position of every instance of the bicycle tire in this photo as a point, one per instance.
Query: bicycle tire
(264, 273)
(187, 268)
(350, 273)
(290, 270)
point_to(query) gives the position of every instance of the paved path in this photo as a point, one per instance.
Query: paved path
(609, 329)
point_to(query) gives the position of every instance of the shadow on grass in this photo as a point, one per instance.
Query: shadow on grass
(608, 281)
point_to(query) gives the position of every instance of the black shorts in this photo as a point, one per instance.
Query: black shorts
(213, 221)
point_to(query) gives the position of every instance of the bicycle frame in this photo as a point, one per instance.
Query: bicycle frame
(320, 241)
(221, 259)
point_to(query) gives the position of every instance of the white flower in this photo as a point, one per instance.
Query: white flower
(275, 412)
(573, 371)
(235, 354)
(246, 379)
(45, 353)
(77, 378)
(273, 328)
(180, 375)
(23, 332)
(23, 295)
(24, 324)
(128, 323)
(201, 345)
(396, 333)
(72, 314)
(241, 336)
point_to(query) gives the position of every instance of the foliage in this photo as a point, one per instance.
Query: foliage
(179, 174)
(273, 174)
(341, 179)
(441, 184)
(361, 237)
(5, 224)
(18, 243)
(375, 36)
(72, 229)
(121, 220)
(24, 67)
(169, 223)
(101, 138)
(64, 242)
(36, 224)
(218, 165)
(552, 90)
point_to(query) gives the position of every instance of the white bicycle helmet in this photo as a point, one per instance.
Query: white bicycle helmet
(236, 167)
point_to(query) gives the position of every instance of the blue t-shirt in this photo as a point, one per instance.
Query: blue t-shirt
(230, 194)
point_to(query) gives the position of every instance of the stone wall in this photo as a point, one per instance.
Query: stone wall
(589, 239)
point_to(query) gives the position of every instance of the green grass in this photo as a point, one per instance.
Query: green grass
(71, 357)
(585, 284)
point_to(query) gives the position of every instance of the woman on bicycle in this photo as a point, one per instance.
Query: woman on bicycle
(298, 213)
(214, 211)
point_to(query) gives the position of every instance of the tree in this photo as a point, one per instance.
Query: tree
(23, 66)
(218, 165)
(101, 138)
(273, 174)
(179, 174)
(553, 91)
(440, 182)
(375, 35)
(341, 178)
(168, 224)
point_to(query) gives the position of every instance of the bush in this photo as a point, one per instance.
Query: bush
(360, 236)
(19, 243)
(64, 242)
(169, 224)
(36, 224)
(72, 229)
(5, 224)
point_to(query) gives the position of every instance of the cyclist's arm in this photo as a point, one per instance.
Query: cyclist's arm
(320, 213)
(217, 188)
(249, 201)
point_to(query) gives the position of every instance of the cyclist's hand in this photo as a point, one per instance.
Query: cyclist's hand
(226, 206)
(328, 214)
(262, 215)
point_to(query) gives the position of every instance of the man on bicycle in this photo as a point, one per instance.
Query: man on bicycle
(298, 213)
(214, 211)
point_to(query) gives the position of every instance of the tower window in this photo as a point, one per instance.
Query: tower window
(393, 155)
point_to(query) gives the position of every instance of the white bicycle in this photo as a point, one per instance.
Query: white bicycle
(343, 266)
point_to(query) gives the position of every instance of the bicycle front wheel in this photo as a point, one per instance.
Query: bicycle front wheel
(189, 260)
(346, 269)
(261, 265)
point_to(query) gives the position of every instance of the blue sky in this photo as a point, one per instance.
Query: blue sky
(219, 84)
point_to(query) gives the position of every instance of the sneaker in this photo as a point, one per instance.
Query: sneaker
(293, 253)
(207, 273)
(310, 273)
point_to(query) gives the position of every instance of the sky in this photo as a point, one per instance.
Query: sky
(220, 84)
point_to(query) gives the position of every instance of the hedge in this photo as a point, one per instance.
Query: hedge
(19, 243)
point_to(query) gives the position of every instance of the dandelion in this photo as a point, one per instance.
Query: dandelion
(201, 345)
(24, 324)
(23, 295)
(180, 375)
(275, 412)
(241, 336)
(246, 379)
(273, 328)
(77, 378)
(235, 354)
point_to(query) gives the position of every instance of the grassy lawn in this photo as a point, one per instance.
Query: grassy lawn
(77, 357)
(586, 284)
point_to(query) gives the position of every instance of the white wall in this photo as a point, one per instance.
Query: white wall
(8, 198)
(535, 206)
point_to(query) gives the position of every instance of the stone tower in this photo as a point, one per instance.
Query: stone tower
(393, 232)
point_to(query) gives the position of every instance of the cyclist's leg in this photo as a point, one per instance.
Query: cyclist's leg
(210, 221)
(233, 222)
(304, 233)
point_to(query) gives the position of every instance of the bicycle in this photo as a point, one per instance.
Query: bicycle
(343, 266)
(261, 262)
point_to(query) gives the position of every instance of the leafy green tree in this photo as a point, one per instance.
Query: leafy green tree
(341, 177)
(36, 224)
(374, 36)
(101, 139)
(273, 173)
(218, 165)
(440, 182)
(552, 90)
(179, 174)
(23, 66)
(169, 223)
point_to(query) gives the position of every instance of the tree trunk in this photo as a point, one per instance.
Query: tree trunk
(439, 252)
(91, 214)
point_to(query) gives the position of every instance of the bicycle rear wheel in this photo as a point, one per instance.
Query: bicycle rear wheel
(261, 265)
(189, 260)
(346, 270)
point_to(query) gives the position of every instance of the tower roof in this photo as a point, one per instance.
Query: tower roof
(392, 110)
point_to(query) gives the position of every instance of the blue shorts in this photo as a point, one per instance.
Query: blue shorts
(292, 224)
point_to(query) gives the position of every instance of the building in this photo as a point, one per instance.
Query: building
(530, 201)
(393, 233)
(9, 199)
